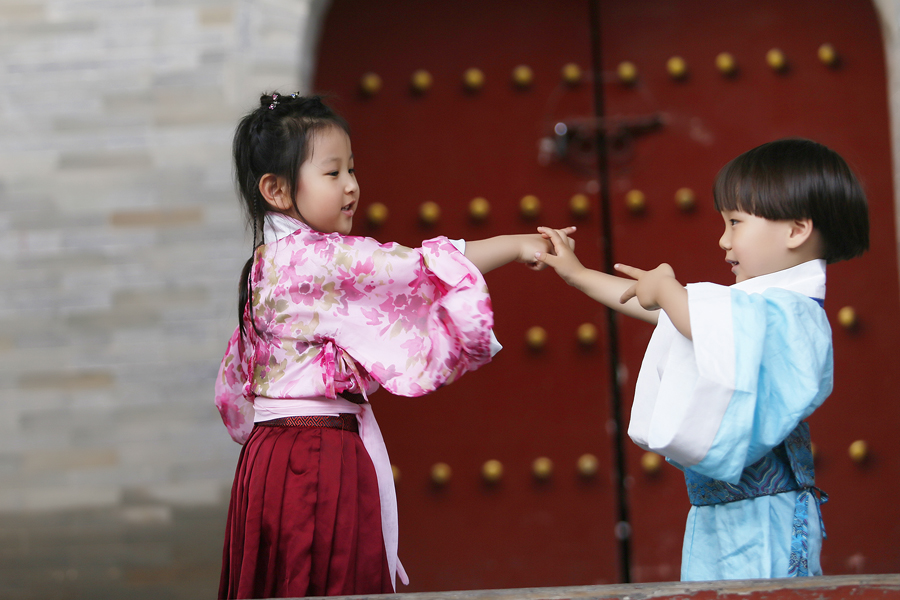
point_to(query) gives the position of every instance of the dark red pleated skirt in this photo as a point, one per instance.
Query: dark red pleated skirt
(305, 518)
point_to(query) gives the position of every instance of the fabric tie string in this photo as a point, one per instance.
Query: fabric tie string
(798, 565)
(373, 441)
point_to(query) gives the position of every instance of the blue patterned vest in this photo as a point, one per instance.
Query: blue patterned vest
(787, 468)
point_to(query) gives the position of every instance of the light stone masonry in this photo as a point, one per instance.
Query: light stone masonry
(121, 241)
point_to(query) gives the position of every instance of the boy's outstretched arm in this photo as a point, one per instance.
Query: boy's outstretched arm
(602, 287)
(657, 289)
(495, 252)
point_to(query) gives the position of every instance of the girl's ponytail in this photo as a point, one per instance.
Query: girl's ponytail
(244, 292)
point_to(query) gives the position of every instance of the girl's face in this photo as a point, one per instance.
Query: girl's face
(755, 246)
(327, 192)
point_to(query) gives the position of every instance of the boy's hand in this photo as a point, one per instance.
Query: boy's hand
(559, 252)
(657, 289)
(534, 245)
(649, 285)
(497, 251)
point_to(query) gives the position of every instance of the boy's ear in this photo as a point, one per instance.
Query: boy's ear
(801, 230)
(275, 192)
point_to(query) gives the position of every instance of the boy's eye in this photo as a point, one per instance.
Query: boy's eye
(733, 222)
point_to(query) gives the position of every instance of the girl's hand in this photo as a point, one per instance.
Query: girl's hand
(558, 253)
(497, 251)
(535, 246)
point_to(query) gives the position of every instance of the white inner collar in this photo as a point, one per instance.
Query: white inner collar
(806, 278)
(278, 225)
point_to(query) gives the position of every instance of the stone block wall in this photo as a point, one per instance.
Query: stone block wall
(121, 242)
(121, 239)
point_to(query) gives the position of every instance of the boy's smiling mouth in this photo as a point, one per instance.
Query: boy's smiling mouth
(734, 265)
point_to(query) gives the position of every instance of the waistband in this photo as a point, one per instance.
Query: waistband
(343, 421)
(788, 467)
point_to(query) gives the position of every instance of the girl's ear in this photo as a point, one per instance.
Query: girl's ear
(800, 231)
(275, 192)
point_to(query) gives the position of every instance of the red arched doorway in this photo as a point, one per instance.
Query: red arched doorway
(450, 144)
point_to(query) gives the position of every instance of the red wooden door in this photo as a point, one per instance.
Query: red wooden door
(709, 119)
(450, 143)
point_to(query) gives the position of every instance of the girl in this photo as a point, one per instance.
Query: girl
(731, 373)
(325, 319)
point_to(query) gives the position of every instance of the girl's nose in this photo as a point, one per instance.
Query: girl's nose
(351, 187)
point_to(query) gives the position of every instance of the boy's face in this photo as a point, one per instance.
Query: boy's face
(755, 246)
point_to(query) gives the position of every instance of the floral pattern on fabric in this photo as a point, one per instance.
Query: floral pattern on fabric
(338, 314)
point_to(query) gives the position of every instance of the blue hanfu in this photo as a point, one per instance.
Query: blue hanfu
(728, 408)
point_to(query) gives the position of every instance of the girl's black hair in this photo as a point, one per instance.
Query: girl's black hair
(274, 138)
(799, 179)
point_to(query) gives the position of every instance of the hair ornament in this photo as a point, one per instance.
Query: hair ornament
(274, 101)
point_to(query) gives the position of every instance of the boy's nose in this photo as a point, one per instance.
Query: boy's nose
(724, 241)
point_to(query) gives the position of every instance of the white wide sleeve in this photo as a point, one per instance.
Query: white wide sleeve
(678, 403)
(756, 366)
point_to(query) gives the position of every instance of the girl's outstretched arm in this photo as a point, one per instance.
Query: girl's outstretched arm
(602, 287)
(495, 252)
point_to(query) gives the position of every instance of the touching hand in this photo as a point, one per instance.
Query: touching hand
(535, 245)
(649, 286)
(559, 252)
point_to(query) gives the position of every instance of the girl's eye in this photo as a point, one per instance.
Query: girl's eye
(333, 174)
(352, 171)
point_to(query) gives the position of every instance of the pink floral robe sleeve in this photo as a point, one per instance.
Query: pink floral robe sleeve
(340, 314)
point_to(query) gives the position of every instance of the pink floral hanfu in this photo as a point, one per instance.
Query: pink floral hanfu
(333, 314)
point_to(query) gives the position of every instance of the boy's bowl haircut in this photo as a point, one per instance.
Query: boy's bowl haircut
(799, 179)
